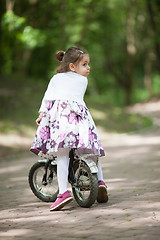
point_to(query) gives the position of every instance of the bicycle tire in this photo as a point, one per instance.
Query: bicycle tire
(84, 172)
(48, 192)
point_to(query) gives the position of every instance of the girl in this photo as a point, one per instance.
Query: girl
(65, 122)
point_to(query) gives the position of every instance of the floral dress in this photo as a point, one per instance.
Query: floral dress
(66, 124)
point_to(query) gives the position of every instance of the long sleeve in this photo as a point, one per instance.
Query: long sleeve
(44, 100)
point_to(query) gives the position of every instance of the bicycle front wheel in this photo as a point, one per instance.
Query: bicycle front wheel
(85, 190)
(46, 192)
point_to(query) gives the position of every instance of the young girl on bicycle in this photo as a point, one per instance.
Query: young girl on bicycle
(65, 122)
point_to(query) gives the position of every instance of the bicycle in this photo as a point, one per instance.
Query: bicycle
(82, 177)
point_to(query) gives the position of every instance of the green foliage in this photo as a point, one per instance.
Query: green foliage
(12, 22)
(122, 38)
(31, 37)
(156, 84)
(140, 93)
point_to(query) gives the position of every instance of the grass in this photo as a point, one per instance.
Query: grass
(20, 99)
(140, 189)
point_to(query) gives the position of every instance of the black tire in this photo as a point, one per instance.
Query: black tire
(86, 191)
(47, 192)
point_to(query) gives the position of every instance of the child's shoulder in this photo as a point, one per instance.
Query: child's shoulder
(59, 75)
(64, 75)
(68, 76)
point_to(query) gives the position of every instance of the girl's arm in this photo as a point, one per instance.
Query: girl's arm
(44, 101)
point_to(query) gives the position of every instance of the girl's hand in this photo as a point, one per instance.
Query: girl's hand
(38, 120)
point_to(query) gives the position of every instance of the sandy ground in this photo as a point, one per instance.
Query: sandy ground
(132, 172)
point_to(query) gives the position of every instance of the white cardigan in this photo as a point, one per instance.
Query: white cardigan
(65, 86)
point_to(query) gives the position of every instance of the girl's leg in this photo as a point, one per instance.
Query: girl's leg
(64, 196)
(102, 190)
(100, 173)
(62, 169)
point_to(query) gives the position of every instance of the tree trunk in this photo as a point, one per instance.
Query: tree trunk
(62, 20)
(131, 51)
(10, 5)
(86, 20)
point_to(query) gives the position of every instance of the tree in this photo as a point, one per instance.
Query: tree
(2, 10)
(122, 37)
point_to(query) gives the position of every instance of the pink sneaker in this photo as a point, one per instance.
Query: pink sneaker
(102, 192)
(62, 200)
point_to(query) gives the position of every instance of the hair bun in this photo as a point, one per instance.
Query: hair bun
(59, 55)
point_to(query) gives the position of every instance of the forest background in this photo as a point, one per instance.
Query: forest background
(121, 36)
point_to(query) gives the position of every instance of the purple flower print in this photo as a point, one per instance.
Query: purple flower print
(64, 105)
(81, 142)
(72, 139)
(55, 124)
(72, 119)
(91, 136)
(44, 114)
(52, 143)
(44, 132)
(49, 118)
(82, 113)
(100, 144)
(63, 127)
(62, 136)
(49, 105)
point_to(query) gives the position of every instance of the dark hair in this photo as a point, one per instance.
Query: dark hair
(72, 55)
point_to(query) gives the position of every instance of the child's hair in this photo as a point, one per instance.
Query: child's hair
(72, 55)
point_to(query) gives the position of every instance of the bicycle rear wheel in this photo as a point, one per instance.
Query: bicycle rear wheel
(47, 192)
(85, 190)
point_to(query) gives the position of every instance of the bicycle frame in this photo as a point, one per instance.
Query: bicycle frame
(51, 161)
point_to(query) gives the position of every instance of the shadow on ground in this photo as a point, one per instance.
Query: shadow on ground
(131, 169)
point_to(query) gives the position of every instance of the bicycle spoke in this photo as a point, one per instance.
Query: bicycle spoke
(46, 190)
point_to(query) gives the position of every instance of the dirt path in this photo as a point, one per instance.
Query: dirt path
(132, 171)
